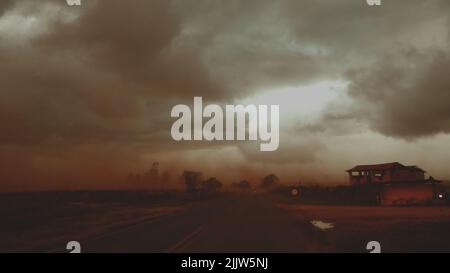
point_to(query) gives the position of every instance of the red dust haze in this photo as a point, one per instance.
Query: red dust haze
(86, 92)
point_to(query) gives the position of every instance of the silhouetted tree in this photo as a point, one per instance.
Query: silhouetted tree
(269, 181)
(152, 176)
(192, 180)
(165, 179)
(211, 185)
(242, 185)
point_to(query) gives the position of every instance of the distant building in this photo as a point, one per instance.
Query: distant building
(385, 173)
(397, 184)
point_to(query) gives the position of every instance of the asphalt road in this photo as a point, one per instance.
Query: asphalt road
(249, 223)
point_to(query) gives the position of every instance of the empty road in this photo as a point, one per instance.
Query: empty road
(245, 223)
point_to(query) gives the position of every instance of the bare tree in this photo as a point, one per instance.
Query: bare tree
(165, 179)
(242, 185)
(269, 181)
(152, 176)
(192, 180)
(211, 185)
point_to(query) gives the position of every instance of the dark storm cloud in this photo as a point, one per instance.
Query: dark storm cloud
(98, 77)
(135, 43)
(97, 82)
(4, 5)
(394, 57)
(256, 48)
(78, 91)
(405, 95)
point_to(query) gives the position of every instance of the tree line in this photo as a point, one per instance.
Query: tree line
(193, 181)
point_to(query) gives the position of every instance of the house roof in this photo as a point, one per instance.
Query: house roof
(382, 167)
(416, 168)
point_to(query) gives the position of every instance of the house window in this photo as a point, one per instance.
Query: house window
(378, 174)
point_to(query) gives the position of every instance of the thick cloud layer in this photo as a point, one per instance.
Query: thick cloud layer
(86, 92)
(405, 95)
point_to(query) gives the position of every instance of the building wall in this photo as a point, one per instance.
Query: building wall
(364, 178)
(407, 194)
(406, 175)
(357, 180)
(402, 175)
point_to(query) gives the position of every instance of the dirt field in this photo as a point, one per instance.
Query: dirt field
(35, 222)
(398, 229)
(39, 222)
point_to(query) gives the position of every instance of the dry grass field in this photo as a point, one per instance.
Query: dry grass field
(398, 229)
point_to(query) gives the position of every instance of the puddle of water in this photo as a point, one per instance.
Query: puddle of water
(322, 225)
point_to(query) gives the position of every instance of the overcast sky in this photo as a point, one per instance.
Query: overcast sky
(86, 92)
